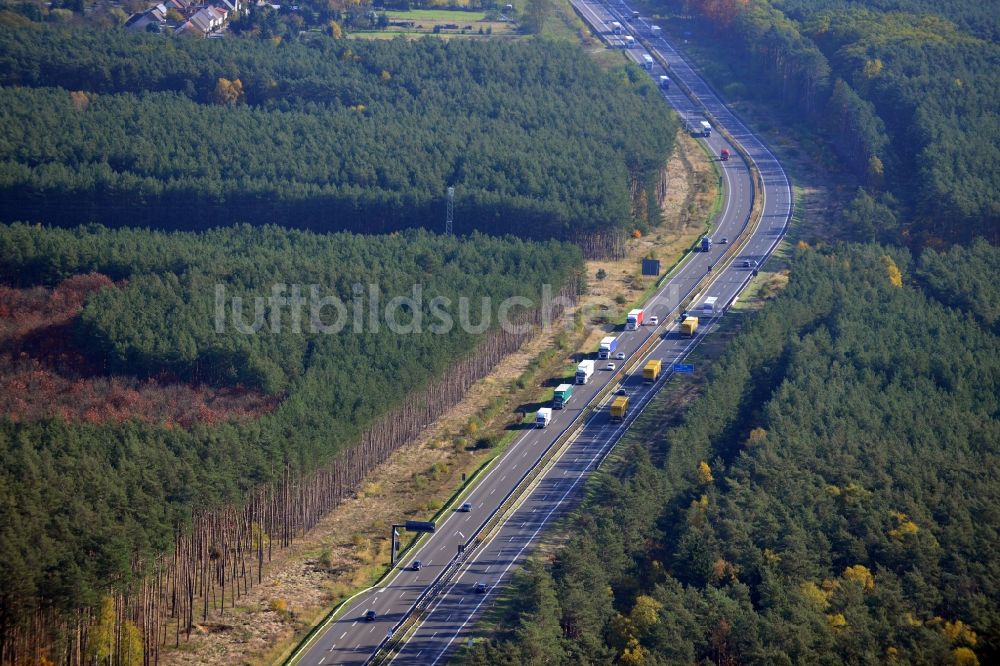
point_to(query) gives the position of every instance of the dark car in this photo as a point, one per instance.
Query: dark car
(370, 616)
(724, 240)
(416, 565)
(465, 508)
(479, 588)
(621, 391)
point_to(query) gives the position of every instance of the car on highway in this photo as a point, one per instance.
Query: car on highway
(466, 507)
(749, 263)
(621, 391)
(609, 366)
(654, 321)
(416, 565)
(724, 240)
(620, 356)
(479, 588)
(370, 616)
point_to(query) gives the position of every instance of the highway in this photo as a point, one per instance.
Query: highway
(452, 611)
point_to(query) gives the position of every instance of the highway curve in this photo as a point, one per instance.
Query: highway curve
(450, 612)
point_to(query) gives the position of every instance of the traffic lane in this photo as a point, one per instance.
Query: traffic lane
(432, 635)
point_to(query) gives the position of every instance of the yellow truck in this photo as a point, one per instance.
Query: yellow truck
(619, 408)
(688, 327)
(651, 371)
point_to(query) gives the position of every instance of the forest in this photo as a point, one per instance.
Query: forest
(329, 135)
(830, 497)
(88, 506)
(904, 90)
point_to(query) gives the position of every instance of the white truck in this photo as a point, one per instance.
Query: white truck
(654, 30)
(584, 371)
(616, 27)
(708, 307)
(634, 320)
(665, 82)
(706, 128)
(543, 417)
(608, 347)
(629, 41)
(647, 61)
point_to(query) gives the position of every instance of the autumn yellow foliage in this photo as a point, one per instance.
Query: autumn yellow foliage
(892, 270)
(634, 654)
(757, 436)
(963, 656)
(228, 92)
(645, 612)
(705, 472)
(904, 526)
(959, 632)
(818, 598)
(860, 574)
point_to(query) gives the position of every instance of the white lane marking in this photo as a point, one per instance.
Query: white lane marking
(342, 636)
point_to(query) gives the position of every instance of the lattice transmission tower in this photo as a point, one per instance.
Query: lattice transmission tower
(449, 221)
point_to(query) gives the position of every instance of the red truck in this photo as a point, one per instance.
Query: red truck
(724, 155)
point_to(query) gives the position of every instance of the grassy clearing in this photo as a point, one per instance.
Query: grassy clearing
(692, 195)
(444, 23)
(443, 15)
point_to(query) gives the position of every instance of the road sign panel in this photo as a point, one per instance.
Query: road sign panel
(683, 368)
(419, 526)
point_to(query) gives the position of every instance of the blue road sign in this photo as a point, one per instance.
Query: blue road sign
(681, 367)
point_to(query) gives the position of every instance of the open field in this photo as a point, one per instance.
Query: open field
(446, 23)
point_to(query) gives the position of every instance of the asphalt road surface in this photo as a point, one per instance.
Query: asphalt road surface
(452, 612)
